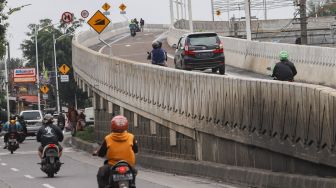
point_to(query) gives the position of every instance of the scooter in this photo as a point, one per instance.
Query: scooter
(13, 144)
(50, 163)
(121, 175)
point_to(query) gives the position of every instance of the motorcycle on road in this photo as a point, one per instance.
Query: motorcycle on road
(50, 163)
(13, 144)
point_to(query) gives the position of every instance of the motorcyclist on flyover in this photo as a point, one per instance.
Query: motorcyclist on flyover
(11, 127)
(23, 124)
(49, 134)
(133, 28)
(284, 70)
(157, 55)
(118, 145)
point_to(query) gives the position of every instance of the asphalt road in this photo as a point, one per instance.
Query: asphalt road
(20, 170)
(136, 48)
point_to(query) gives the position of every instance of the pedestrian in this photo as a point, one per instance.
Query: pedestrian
(284, 70)
(142, 24)
(72, 118)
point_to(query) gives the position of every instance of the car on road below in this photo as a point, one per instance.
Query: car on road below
(200, 51)
(34, 120)
(89, 116)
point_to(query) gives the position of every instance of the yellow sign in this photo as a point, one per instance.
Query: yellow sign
(122, 7)
(44, 89)
(99, 22)
(106, 6)
(218, 13)
(64, 69)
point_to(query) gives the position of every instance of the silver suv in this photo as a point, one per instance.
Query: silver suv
(34, 120)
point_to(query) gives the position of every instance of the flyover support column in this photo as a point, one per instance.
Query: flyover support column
(248, 19)
(191, 28)
(171, 12)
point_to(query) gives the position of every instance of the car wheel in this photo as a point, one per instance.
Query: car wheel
(184, 67)
(214, 70)
(222, 70)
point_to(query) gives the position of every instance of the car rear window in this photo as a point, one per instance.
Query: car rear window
(203, 40)
(31, 115)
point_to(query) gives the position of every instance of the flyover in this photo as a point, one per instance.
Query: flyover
(271, 134)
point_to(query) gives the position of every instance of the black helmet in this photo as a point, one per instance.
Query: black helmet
(160, 43)
(12, 118)
(48, 118)
(155, 45)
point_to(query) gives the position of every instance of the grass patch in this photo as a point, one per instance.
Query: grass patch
(87, 134)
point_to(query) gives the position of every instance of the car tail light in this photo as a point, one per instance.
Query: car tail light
(220, 49)
(52, 145)
(187, 51)
(122, 169)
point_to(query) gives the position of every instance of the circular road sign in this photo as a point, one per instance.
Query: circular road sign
(85, 13)
(67, 17)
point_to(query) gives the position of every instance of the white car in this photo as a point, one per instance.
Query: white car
(34, 120)
(89, 116)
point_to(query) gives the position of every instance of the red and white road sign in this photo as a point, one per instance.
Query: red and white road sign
(85, 14)
(67, 17)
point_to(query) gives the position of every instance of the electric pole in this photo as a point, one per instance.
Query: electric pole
(303, 22)
(212, 10)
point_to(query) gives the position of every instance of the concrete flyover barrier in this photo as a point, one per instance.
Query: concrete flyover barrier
(316, 65)
(274, 126)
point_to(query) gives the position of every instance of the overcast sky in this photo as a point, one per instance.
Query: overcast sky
(152, 11)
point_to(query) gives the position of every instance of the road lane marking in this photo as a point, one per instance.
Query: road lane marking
(48, 186)
(128, 45)
(15, 169)
(65, 150)
(3, 164)
(117, 40)
(29, 176)
(170, 56)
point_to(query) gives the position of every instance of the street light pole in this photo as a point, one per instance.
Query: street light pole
(37, 73)
(7, 83)
(56, 73)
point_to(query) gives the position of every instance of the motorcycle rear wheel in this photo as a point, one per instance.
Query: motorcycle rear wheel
(50, 174)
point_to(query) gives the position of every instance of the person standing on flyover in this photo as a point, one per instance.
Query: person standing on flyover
(142, 24)
(284, 70)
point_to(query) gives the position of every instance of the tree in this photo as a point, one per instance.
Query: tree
(321, 8)
(46, 55)
(3, 26)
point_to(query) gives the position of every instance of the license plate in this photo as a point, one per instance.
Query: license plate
(205, 55)
(122, 177)
(12, 140)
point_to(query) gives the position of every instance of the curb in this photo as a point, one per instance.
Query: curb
(250, 177)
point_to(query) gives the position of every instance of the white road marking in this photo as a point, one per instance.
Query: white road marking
(3, 164)
(65, 150)
(119, 39)
(170, 56)
(128, 45)
(15, 169)
(48, 186)
(29, 176)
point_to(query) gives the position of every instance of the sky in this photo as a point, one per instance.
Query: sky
(152, 11)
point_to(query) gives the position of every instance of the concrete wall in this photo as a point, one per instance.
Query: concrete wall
(314, 64)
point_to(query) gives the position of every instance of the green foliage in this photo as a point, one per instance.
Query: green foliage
(87, 134)
(3, 27)
(15, 63)
(321, 8)
(63, 34)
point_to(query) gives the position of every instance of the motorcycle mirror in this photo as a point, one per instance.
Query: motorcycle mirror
(269, 68)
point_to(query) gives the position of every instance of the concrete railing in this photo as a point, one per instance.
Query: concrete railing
(314, 64)
(289, 118)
